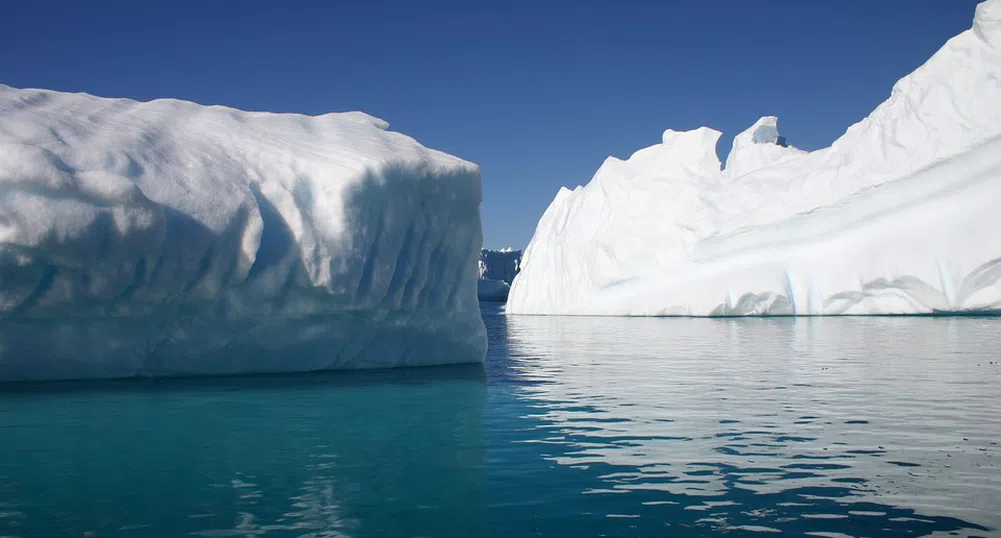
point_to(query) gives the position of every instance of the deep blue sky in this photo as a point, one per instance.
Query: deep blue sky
(537, 93)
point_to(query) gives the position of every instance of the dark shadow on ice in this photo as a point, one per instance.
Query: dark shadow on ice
(277, 240)
(396, 288)
(415, 237)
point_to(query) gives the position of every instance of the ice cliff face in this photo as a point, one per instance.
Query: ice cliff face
(167, 238)
(497, 271)
(898, 216)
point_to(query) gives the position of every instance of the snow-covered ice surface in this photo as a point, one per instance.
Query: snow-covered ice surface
(497, 271)
(899, 216)
(170, 238)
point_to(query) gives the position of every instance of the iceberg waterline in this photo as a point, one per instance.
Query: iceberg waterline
(169, 238)
(898, 216)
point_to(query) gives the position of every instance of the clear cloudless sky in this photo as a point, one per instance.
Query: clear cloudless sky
(537, 93)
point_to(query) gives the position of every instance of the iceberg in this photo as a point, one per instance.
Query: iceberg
(170, 238)
(492, 291)
(497, 271)
(898, 216)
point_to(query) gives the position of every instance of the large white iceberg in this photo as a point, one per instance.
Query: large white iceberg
(899, 216)
(497, 271)
(170, 238)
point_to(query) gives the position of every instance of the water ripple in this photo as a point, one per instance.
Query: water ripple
(873, 416)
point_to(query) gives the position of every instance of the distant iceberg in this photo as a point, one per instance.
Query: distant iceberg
(169, 238)
(497, 271)
(899, 216)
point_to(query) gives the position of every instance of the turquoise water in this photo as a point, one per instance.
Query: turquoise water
(575, 427)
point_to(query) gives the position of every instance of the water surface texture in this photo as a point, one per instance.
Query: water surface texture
(575, 427)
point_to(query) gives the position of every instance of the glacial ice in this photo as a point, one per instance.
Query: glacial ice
(899, 216)
(492, 291)
(497, 270)
(170, 238)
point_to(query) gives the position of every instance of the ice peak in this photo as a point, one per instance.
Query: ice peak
(360, 117)
(695, 147)
(695, 138)
(987, 22)
(758, 146)
(764, 131)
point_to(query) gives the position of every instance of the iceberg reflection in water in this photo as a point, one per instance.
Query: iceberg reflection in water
(575, 427)
(333, 455)
(858, 426)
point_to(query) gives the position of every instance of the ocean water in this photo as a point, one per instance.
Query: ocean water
(574, 427)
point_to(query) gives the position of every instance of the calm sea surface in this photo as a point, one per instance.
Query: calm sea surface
(575, 427)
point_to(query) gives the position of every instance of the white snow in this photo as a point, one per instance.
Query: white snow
(168, 238)
(899, 216)
(497, 270)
